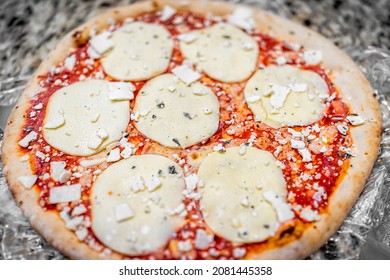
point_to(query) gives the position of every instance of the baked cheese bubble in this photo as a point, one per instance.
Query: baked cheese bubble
(82, 119)
(174, 114)
(140, 51)
(222, 51)
(286, 96)
(243, 194)
(137, 204)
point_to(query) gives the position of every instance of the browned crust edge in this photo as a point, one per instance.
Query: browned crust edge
(355, 89)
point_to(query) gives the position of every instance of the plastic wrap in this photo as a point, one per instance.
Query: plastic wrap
(366, 221)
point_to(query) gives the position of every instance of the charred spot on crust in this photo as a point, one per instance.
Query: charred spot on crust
(80, 37)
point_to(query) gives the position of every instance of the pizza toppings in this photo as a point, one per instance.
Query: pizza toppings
(100, 44)
(232, 196)
(132, 221)
(176, 119)
(167, 12)
(185, 74)
(58, 171)
(280, 96)
(79, 104)
(28, 181)
(312, 57)
(121, 91)
(141, 51)
(355, 120)
(240, 192)
(243, 18)
(65, 194)
(25, 142)
(223, 52)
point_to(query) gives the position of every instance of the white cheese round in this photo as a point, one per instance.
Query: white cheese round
(286, 96)
(223, 52)
(82, 133)
(232, 201)
(174, 114)
(141, 51)
(133, 204)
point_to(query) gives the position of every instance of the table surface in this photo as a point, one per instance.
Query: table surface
(30, 28)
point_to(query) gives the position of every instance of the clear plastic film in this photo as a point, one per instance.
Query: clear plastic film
(368, 223)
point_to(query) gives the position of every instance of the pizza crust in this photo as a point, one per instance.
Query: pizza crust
(347, 77)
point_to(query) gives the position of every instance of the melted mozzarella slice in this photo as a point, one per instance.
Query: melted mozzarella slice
(233, 203)
(141, 51)
(286, 96)
(79, 103)
(223, 52)
(176, 116)
(137, 222)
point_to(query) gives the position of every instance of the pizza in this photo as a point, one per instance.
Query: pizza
(191, 130)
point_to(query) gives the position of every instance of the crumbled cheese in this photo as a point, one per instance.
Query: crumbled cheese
(191, 182)
(114, 155)
(152, 183)
(24, 158)
(28, 181)
(39, 106)
(245, 202)
(123, 212)
(81, 233)
(278, 150)
(252, 99)
(58, 171)
(219, 148)
(202, 239)
(137, 184)
(355, 120)
(298, 87)
(70, 62)
(207, 111)
(247, 46)
(55, 123)
(305, 154)
(279, 96)
(242, 149)
(282, 208)
(25, 142)
(78, 210)
(187, 37)
(184, 246)
(167, 12)
(281, 60)
(239, 253)
(121, 91)
(126, 152)
(309, 215)
(97, 138)
(242, 17)
(312, 57)
(101, 43)
(292, 46)
(297, 144)
(65, 194)
(154, 197)
(186, 74)
(342, 128)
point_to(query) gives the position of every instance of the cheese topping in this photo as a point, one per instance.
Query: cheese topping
(79, 103)
(141, 51)
(176, 119)
(28, 181)
(65, 194)
(281, 95)
(124, 217)
(243, 18)
(233, 201)
(222, 52)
